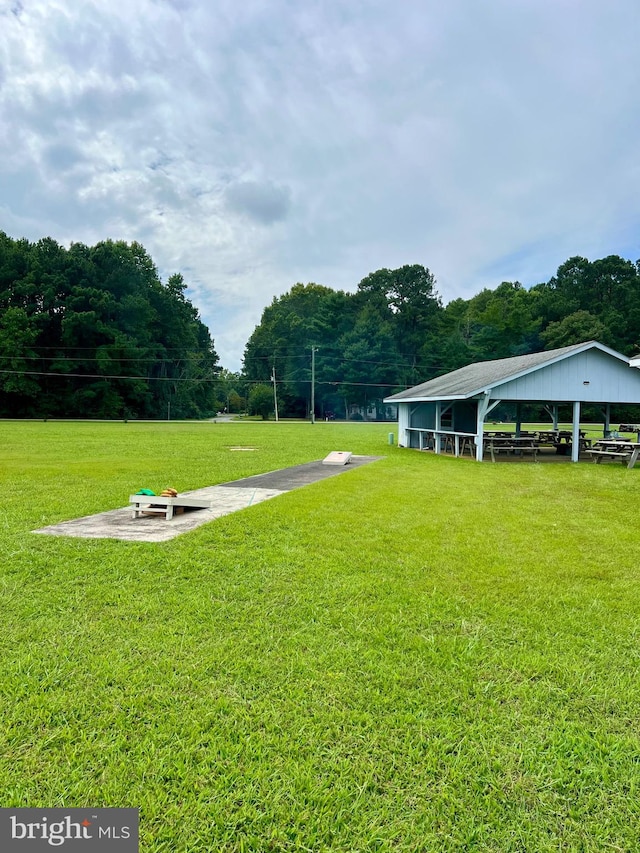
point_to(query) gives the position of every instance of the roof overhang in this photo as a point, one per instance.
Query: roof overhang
(428, 399)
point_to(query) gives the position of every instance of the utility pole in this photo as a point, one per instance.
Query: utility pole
(313, 385)
(275, 395)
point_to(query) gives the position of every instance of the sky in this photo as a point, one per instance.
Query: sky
(253, 144)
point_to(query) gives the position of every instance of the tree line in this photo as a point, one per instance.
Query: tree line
(394, 331)
(94, 332)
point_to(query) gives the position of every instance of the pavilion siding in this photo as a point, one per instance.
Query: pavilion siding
(590, 377)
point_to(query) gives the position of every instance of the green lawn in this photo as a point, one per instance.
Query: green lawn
(424, 654)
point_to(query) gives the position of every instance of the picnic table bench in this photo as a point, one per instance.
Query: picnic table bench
(617, 450)
(159, 505)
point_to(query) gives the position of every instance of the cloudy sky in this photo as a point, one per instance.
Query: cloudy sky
(252, 144)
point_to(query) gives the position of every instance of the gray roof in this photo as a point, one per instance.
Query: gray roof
(476, 378)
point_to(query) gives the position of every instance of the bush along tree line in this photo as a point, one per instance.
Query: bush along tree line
(94, 332)
(394, 331)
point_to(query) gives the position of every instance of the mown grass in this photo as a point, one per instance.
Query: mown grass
(424, 654)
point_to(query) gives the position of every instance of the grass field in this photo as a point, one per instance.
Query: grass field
(424, 654)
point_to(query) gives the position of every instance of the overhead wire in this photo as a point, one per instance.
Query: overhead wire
(217, 379)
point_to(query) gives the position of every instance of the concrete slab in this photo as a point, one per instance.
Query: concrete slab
(297, 476)
(119, 524)
(225, 499)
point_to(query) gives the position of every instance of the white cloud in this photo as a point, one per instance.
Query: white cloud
(252, 145)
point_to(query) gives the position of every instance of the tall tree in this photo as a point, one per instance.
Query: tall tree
(308, 317)
(575, 329)
(407, 301)
(107, 336)
(504, 324)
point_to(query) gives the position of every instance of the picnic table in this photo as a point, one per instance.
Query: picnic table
(562, 440)
(631, 428)
(618, 450)
(510, 443)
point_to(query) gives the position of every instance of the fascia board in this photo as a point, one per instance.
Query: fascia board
(609, 351)
(427, 399)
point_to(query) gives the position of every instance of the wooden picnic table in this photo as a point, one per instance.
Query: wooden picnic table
(510, 443)
(631, 428)
(561, 439)
(617, 450)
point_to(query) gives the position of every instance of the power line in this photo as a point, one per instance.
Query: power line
(332, 382)
(108, 358)
(195, 357)
(109, 376)
(112, 344)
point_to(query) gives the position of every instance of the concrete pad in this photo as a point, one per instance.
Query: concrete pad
(225, 498)
(119, 524)
(297, 476)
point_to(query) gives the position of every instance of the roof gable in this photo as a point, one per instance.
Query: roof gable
(479, 377)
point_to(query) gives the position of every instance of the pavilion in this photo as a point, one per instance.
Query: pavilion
(453, 408)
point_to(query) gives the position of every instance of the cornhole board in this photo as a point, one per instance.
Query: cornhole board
(159, 505)
(337, 457)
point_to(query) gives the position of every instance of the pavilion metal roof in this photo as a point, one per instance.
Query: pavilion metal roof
(475, 379)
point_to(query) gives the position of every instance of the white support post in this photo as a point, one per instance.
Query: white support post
(436, 438)
(575, 434)
(607, 421)
(483, 410)
(405, 421)
(483, 404)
